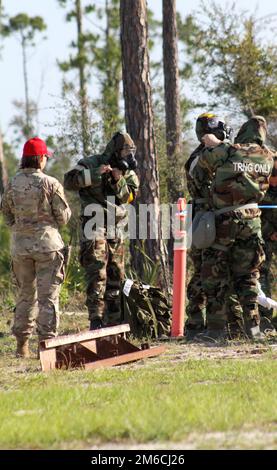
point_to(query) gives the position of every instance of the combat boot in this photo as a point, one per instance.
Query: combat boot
(212, 336)
(191, 331)
(96, 324)
(253, 331)
(274, 322)
(267, 327)
(235, 330)
(22, 349)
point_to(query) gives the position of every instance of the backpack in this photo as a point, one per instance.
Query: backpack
(147, 310)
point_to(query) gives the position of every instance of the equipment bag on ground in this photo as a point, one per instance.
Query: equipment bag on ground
(147, 309)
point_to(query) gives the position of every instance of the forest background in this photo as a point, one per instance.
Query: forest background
(78, 92)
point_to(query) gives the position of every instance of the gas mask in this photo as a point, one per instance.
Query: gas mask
(125, 160)
(209, 123)
(124, 151)
(219, 129)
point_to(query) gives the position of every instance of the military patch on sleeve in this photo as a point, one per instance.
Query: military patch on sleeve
(87, 177)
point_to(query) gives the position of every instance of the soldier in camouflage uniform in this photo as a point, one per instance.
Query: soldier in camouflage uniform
(269, 232)
(34, 206)
(240, 180)
(98, 179)
(199, 184)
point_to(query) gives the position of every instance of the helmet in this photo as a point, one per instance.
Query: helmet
(209, 123)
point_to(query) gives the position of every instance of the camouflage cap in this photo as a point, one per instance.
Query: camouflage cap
(253, 130)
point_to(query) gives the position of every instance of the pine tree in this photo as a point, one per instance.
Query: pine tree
(25, 28)
(80, 62)
(140, 125)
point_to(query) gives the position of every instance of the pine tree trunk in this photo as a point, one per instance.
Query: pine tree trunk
(82, 79)
(171, 78)
(1, 15)
(111, 83)
(27, 127)
(175, 183)
(3, 169)
(139, 123)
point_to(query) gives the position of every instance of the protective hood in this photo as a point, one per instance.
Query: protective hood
(119, 141)
(252, 131)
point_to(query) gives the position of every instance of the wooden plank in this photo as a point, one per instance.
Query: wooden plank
(90, 345)
(48, 359)
(125, 347)
(124, 358)
(87, 335)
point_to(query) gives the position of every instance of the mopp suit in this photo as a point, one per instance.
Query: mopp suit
(34, 206)
(102, 253)
(269, 232)
(199, 183)
(240, 180)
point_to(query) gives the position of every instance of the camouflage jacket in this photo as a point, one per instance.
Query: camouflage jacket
(34, 206)
(269, 216)
(94, 188)
(240, 174)
(197, 181)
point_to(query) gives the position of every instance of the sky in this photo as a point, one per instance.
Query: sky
(44, 75)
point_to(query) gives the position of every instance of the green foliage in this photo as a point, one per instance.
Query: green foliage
(107, 60)
(10, 159)
(25, 28)
(67, 142)
(25, 25)
(74, 283)
(237, 67)
(80, 61)
(18, 121)
(6, 297)
(6, 294)
(77, 409)
(190, 35)
(150, 271)
(2, 15)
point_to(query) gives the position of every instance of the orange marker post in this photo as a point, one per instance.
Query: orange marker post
(179, 273)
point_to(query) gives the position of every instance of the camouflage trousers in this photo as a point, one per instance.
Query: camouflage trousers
(238, 262)
(38, 277)
(103, 261)
(266, 275)
(197, 300)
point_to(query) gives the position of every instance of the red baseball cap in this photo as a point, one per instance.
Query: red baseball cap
(35, 147)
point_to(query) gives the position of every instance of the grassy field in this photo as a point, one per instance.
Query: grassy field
(190, 397)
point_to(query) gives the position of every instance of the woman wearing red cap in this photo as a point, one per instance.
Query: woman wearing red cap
(34, 206)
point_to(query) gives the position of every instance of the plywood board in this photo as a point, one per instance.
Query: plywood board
(48, 359)
(124, 358)
(85, 336)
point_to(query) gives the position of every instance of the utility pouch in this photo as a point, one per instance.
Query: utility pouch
(66, 251)
(203, 229)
